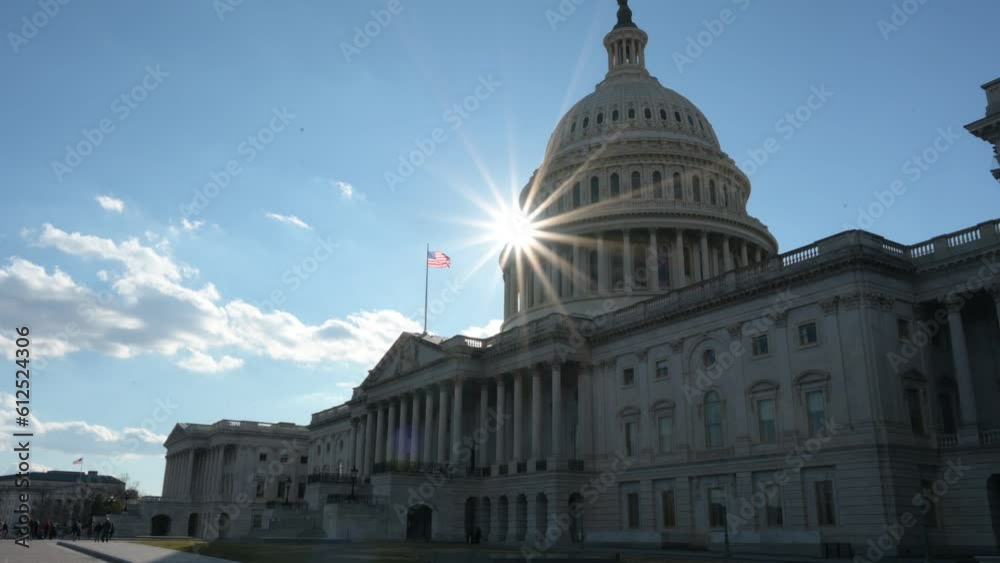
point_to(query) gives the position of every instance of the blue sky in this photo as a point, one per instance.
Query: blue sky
(272, 296)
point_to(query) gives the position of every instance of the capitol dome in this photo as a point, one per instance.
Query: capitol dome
(635, 198)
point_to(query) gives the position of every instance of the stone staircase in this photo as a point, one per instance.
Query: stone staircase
(289, 524)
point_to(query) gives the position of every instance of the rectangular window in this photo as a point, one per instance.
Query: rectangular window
(631, 435)
(667, 509)
(662, 369)
(284, 458)
(759, 345)
(947, 413)
(260, 489)
(765, 421)
(775, 515)
(633, 511)
(815, 410)
(302, 490)
(903, 329)
(304, 460)
(282, 486)
(716, 508)
(666, 427)
(808, 334)
(916, 410)
(256, 520)
(931, 516)
(262, 457)
(825, 510)
(628, 377)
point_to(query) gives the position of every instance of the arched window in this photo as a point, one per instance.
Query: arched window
(648, 113)
(636, 185)
(701, 124)
(576, 195)
(586, 122)
(595, 190)
(696, 189)
(631, 113)
(725, 195)
(615, 115)
(572, 128)
(663, 114)
(616, 188)
(657, 185)
(678, 187)
(677, 116)
(713, 420)
(708, 358)
(690, 121)
(600, 118)
(711, 193)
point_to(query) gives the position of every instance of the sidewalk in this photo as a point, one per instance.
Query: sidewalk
(127, 552)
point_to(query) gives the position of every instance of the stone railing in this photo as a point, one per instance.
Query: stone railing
(947, 441)
(989, 437)
(330, 414)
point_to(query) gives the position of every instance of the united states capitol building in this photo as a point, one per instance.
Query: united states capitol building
(666, 375)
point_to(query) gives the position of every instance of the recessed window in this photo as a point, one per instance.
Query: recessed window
(304, 460)
(595, 190)
(260, 489)
(628, 377)
(633, 511)
(600, 118)
(665, 426)
(631, 438)
(616, 186)
(949, 422)
(933, 519)
(657, 185)
(631, 113)
(808, 334)
(766, 425)
(716, 508)
(262, 457)
(677, 116)
(825, 508)
(669, 513)
(572, 128)
(713, 420)
(708, 358)
(903, 329)
(678, 187)
(815, 410)
(759, 345)
(915, 408)
(284, 458)
(615, 115)
(696, 189)
(690, 121)
(648, 113)
(712, 198)
(586, 122)
(662, 369)
(636, 185)
(576, 195)
(663, 114)
(701, 124)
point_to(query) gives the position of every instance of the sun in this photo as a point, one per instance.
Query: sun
(513, 228)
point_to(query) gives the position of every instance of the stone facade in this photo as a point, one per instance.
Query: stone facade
(57, 496)
(988, 128)
(665, 376)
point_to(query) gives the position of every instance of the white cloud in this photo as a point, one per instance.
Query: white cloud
(489, 329)
(111, 204)
(150, 307)
(346, 190)
(203, 363)
(290, 219)
(191, 226)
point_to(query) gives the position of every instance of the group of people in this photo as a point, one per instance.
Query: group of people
(102, 531)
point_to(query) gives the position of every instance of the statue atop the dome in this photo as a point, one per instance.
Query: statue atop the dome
(624, 15)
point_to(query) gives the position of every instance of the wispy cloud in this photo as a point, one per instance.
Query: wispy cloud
(289, 219)
(191, 226)
(203, 363)
(111, 204)
(347, 190)
(489, 329)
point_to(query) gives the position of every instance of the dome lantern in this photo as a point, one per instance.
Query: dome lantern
(626, 44)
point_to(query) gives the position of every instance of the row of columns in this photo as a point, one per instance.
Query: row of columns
(190, 473)
(402, 429)
(561, 271)
(963, 369)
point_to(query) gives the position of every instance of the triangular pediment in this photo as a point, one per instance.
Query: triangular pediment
(408, 354)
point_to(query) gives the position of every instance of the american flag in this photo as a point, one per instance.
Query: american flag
(438, 259)
(78, 462)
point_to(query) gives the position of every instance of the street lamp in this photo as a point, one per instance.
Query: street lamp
(354, 479)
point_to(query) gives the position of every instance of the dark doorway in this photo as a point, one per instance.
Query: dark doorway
(160, 525)
(418, 523)
(576, 517)
(223, 525)
(193, 525)
(470, 518)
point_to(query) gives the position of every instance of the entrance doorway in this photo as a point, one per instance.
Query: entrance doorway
(418, 523)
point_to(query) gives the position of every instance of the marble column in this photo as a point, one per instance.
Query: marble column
(757, 255)
(442, 444)
(744, 258)
(369, 447)
(402, 432)
(706, 271)
(602, 265)
(653, 261)
(628, 267)
(456, 418)
(585, 426)
(995, 292)
(428, 425)
(727, 256)
(415, 430)
(963, 371)
(391, 433)
(578, 279)
(518, 416)
(355, 427)
(677, 261)
(380, 435)
(482, 451)
(536, 414)
(557, 419)
(501, 438)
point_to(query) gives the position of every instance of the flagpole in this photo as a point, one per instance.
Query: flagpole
(427, 277)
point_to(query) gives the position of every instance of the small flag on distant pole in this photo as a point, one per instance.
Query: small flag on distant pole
(78, 462)
(435, 259)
